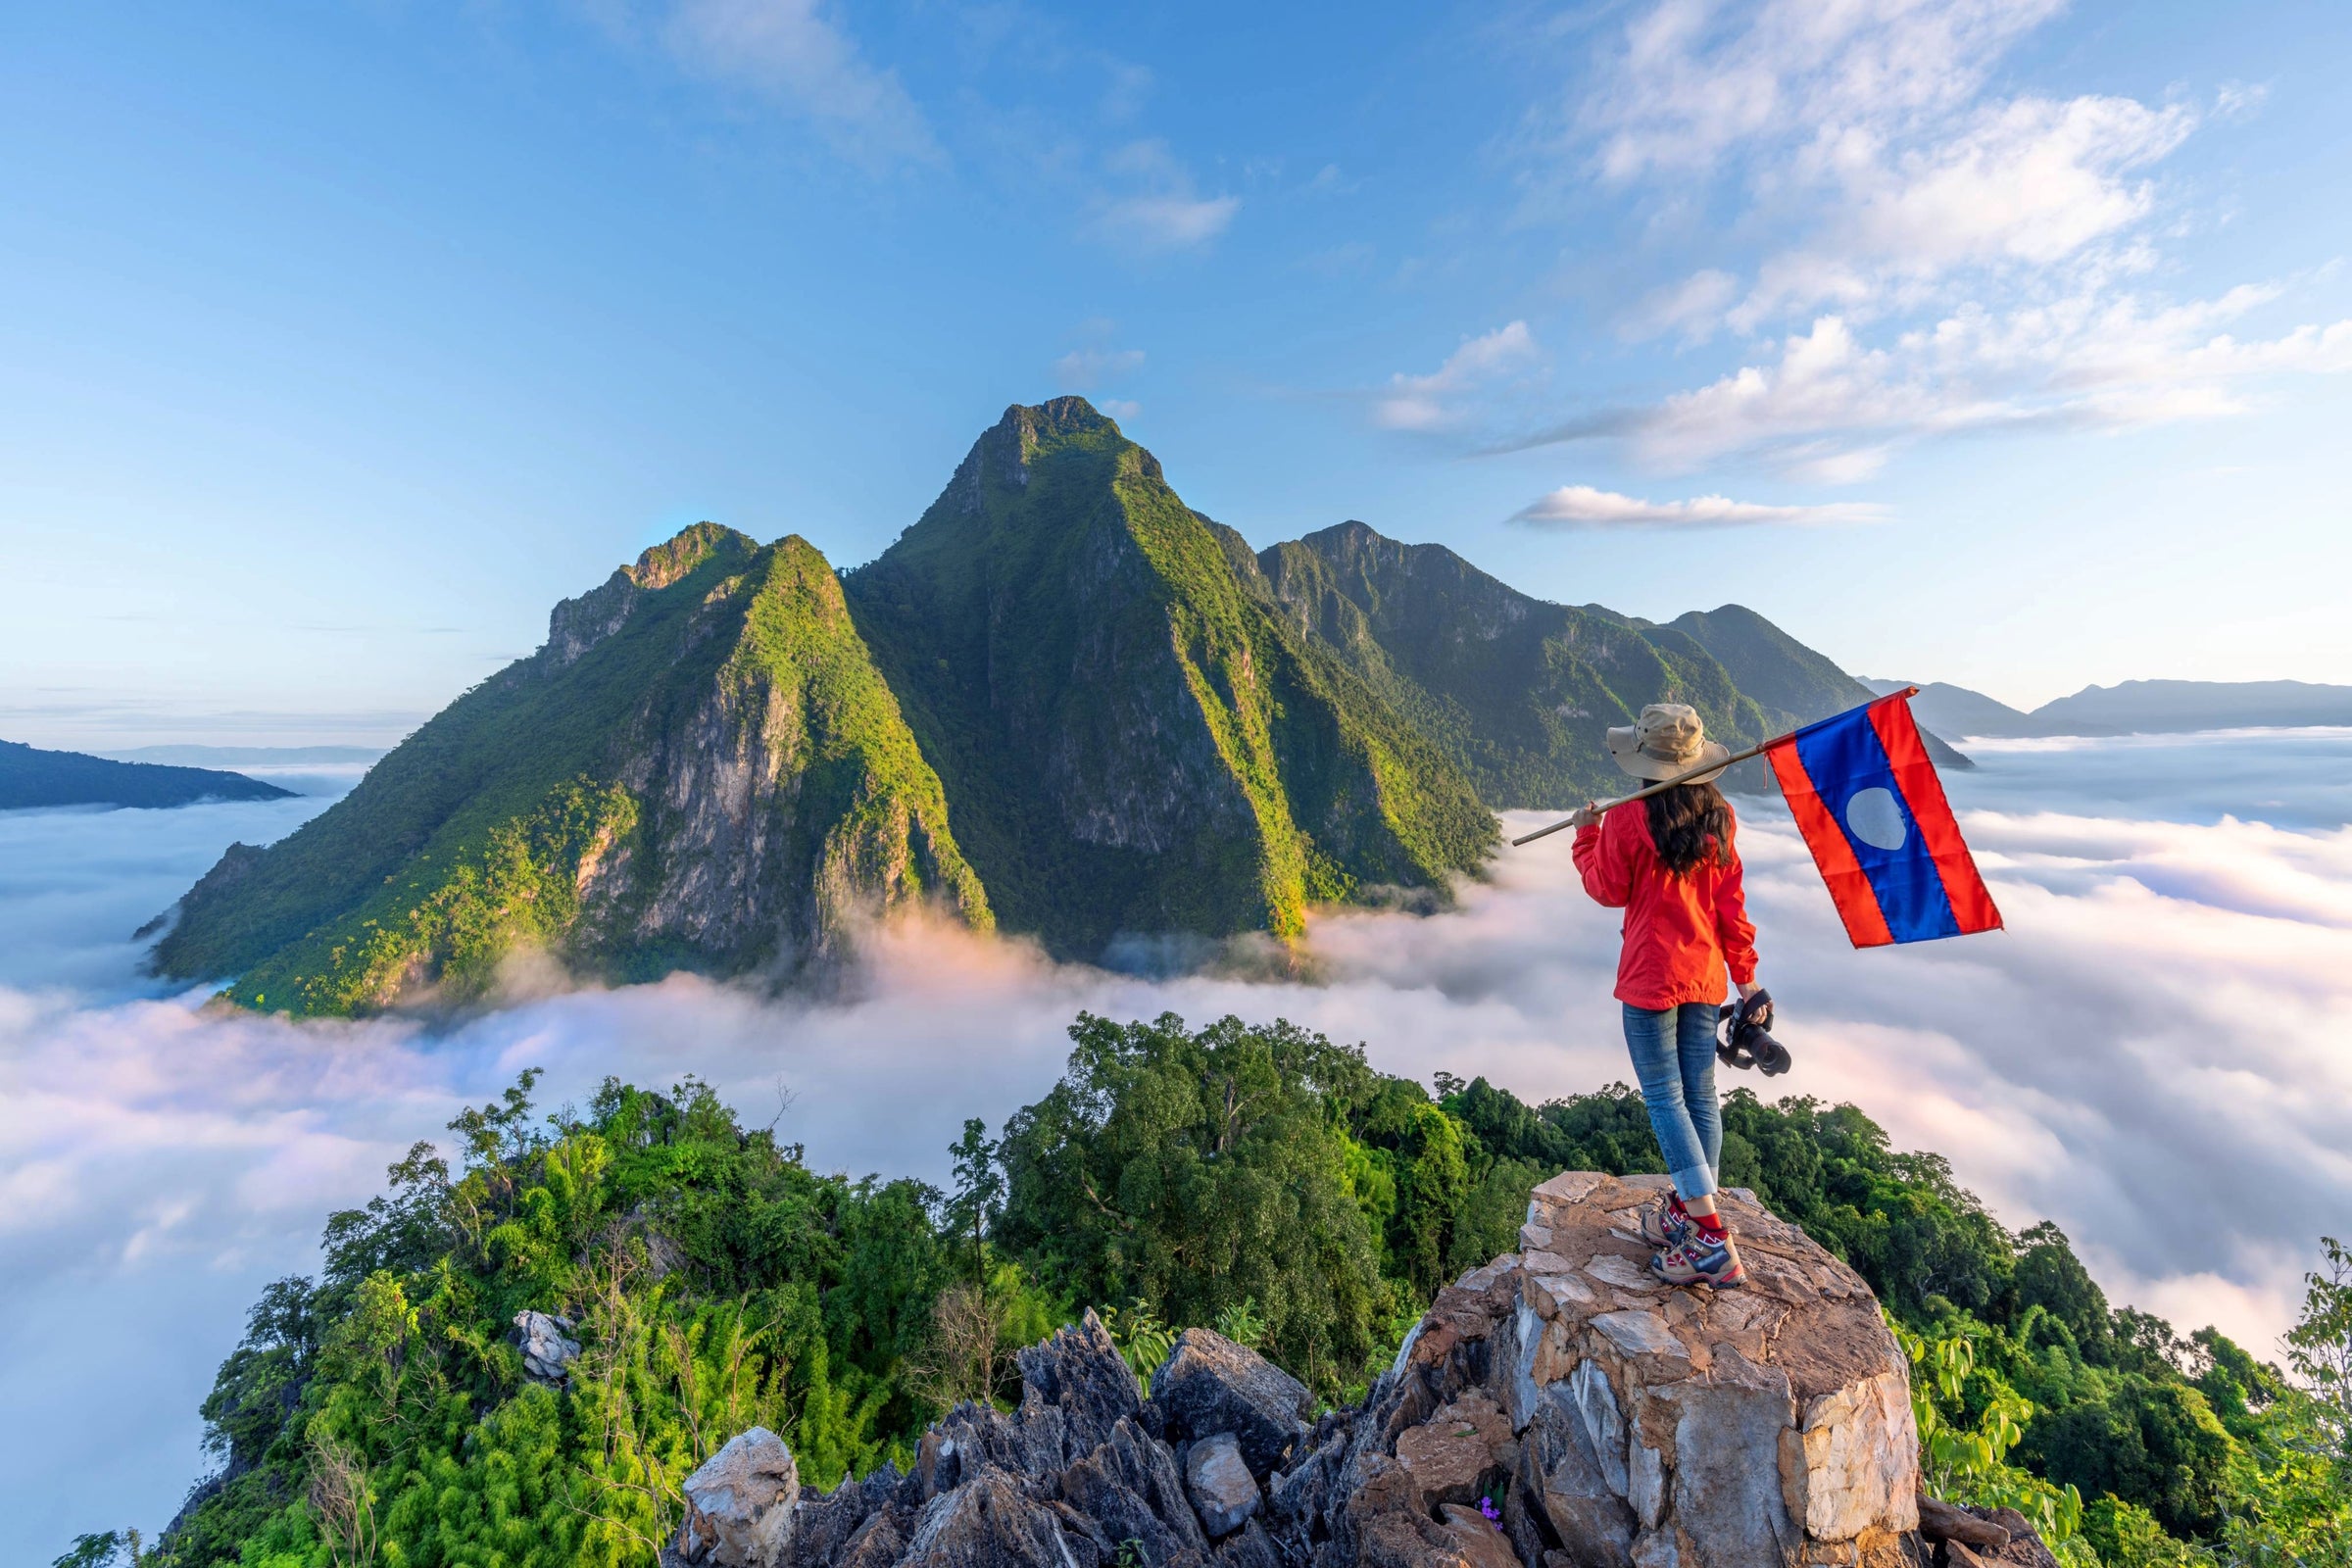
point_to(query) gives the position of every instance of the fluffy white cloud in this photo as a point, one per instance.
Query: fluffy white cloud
(795, 53)
(1441, 399)
(2024, 184)
(1581, 505)
(1162, 211)
(1928, 253)
(1827, 407)
(1696, 80)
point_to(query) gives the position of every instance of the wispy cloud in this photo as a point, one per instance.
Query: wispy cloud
(796, 54)
(1160, 208)
(1694, 307)
(1927, 253)
(1828, 405)
(1581, 505)
(1444, 396)
(1084, 369)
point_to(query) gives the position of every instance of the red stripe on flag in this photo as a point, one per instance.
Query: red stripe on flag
(1849, 888)
(1923, 791)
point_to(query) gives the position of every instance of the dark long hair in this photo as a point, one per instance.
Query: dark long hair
(1691, 824)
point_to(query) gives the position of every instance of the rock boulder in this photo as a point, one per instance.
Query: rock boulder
(1763, 1425)
(741, 1504)
(547, 1346)
(1223, 1491)
(1210, 1385)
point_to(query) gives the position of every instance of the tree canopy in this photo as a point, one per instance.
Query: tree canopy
(1256, 1178)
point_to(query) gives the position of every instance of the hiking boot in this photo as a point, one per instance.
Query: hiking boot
(1699, 1260)
(1664, 1224)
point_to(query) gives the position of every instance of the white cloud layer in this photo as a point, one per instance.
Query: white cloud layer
(1581, 505)
(2171, 995)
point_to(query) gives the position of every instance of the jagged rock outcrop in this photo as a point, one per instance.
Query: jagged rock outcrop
(1556, 1408)
(547, 1346)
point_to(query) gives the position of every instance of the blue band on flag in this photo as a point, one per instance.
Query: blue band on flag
(1845, 758)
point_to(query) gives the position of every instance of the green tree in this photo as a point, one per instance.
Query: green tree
(1193, 1171)
(979, 1197)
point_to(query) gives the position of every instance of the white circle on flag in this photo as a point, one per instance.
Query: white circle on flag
(1874, 816)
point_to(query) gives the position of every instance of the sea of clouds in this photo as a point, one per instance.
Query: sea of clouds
(2153, 1054)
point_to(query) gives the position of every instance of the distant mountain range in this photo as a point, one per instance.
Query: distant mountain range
(251, 756)
(1063, 703)
(2134, 707)
(30, 776)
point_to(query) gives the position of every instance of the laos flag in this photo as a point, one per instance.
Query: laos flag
(1873, 812)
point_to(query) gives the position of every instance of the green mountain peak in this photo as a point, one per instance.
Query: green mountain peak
(1134, 740)
(702, 768)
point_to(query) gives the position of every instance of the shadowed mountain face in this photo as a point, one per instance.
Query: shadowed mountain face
(31, 777)
(1517, 690)
(1132, 740)
(1063, 700)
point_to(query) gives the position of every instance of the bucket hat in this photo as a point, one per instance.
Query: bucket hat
(1668, 738)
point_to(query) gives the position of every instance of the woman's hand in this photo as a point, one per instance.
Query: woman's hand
(1748, 988)
(1586, 815)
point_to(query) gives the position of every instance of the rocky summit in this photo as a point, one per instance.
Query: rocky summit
(1063, 703)
(1556, 1408)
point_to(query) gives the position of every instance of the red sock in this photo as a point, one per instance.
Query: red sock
(1709, 1225)
(1674, 1206)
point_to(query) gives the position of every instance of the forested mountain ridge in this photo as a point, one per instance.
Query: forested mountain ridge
(1518, 690)
(2136, 708)
(30, 776)
(1259, 1179)
(1063, 701)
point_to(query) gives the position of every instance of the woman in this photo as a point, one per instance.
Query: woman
(1668, 861)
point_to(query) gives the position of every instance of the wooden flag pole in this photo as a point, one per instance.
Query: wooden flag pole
(1649, 790)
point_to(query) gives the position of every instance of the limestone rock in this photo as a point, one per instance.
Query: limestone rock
(1480, 1544)
(986, 1524)
(548, 1347)
(1662, 1425)
(1452, 1456)
(740, 1504)
(1210, 1385)
(1224, 1493)
(2025, 1547)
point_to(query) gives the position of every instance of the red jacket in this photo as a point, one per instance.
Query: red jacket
(1680, 931)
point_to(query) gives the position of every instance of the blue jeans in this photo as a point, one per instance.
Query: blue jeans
(1674, 1057)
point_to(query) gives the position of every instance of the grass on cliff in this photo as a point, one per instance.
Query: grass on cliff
(1258, 1178)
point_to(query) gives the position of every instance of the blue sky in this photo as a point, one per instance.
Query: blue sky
(1994, 341)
